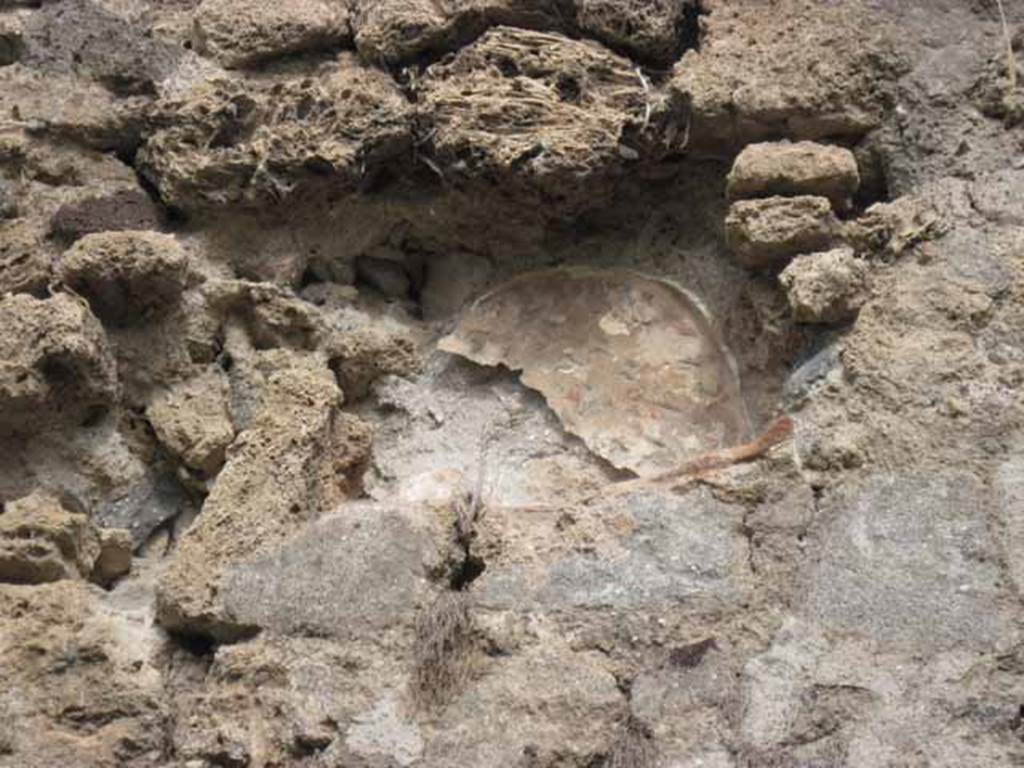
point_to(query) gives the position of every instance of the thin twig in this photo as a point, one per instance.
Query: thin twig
(647, 98)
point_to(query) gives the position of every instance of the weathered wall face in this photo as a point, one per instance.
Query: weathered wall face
(334, 334)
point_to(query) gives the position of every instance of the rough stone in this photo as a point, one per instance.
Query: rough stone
(126, 209)
(907, 561)
(650, 31)
(239, 33)
(851, 598)
(374, 565)
(397, 32)
(360, 356)
(54, 162)
(570, 111)
(827, 287)
(44, 539)
(658, 550)
(191, 420)
(25, 260)
(227, 141)
(91, 41)
(568, 719)
(56, 362)
(127, 277)
(41, 541)
(82, 685)
(272, 317)
(296, 459)
(794, 70)
(302, 695)
(762, 233)
(801, 168)
(70, 108)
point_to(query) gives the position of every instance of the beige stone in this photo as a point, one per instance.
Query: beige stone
(191, 419)
(801, 168)
(126, 276)
(25, 259)
(570, 114)
(297, 459)
(762, 233)
(230, 141)
(41, 540)
(793, 68)
(240, 33)
(827, 287)
(55, 363)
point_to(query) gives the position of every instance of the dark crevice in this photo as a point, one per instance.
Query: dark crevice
(688, 28)
(466, 572)
(691, 655)
(198, 646)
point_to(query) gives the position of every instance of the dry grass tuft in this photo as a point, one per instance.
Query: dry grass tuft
(1011, 60)
(634, 748)
(444, 649)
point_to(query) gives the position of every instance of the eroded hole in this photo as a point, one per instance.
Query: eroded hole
(470, 569)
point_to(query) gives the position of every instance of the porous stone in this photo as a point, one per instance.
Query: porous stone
(298, 458)
(43, 539)
(191, 420)
(571, 113)
(25, 259)
(271, 316)
(763, 233)
(361, 356)
(127, 277)
(762, 72)
(81, 683)
(56, 362)
(801, 168)
(300, 694)
(72, 108)
(227, 141)
(396, 32)
(239, 33)
(828, 287)
(651, 31)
